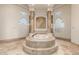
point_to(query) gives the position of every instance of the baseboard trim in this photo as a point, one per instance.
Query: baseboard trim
(65, 39)
(11, 40)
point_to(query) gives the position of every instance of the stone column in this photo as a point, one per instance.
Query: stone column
(32, 20)
(49, 20)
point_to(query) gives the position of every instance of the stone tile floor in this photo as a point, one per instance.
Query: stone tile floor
(16, 48)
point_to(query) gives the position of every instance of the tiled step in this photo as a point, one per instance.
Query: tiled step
(40, 44)
(40, 51)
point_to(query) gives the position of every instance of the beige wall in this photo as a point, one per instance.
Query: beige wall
(66, 17)
(9, 26)
(75, 23)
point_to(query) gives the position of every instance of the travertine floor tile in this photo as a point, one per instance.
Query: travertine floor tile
(16, 48)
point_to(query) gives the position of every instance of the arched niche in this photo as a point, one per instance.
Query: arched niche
(40, 24)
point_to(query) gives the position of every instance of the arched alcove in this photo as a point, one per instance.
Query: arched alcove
(40, 24)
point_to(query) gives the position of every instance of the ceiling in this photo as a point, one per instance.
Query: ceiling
(37, 6)
(41, 6)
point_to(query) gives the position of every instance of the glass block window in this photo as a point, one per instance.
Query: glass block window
(59, 24)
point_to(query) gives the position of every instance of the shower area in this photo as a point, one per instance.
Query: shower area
(41, 40)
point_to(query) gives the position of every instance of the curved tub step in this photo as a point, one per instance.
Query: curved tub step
(40, 51)
(40, 44)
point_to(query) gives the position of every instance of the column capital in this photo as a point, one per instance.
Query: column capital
(31, 9)
(49, 9)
